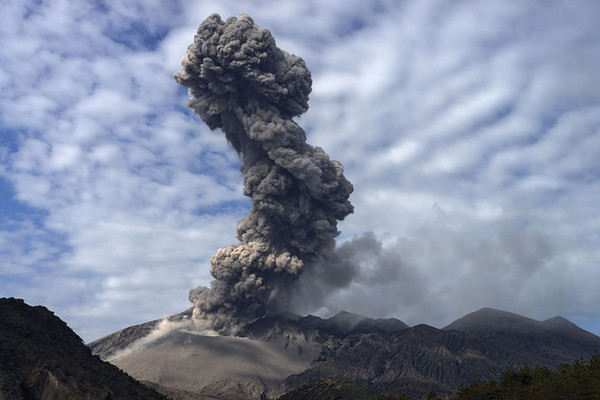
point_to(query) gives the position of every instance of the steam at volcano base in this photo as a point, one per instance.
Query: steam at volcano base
(242, 83)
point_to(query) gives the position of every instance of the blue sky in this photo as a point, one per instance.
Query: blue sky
(470, 130)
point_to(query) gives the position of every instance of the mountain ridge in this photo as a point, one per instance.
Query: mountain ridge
(384, 355)
(42, 358)
(486, 319)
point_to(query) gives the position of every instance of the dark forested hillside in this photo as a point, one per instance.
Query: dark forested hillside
(41, 357)
(335, 389)
(578, 380)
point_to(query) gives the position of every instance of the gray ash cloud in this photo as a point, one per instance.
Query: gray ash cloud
(244, 85)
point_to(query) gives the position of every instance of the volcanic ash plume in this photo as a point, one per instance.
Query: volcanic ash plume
(242, 83)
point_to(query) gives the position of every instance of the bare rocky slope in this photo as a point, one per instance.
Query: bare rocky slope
(281, 353)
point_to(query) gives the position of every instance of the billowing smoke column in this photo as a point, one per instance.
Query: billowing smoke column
(242, 83)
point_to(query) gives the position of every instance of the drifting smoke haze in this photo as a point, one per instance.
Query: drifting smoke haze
(242, 83)
(443, 263)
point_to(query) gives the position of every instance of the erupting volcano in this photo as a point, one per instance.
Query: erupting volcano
(242, 83)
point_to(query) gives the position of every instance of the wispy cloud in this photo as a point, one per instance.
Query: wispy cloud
(470, 131)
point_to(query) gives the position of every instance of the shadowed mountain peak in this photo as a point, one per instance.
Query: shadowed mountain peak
(567, 329)
(346, 322)
(488, 320)
(341, 324)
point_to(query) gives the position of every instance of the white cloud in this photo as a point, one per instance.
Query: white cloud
(487, 110)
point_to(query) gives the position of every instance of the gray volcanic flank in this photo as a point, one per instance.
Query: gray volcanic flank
(283, 352)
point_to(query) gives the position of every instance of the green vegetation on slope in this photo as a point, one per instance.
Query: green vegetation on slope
(579, 380)
(334, 389)
(41, 356)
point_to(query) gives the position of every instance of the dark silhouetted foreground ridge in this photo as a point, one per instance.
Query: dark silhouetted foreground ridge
(42, 358)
